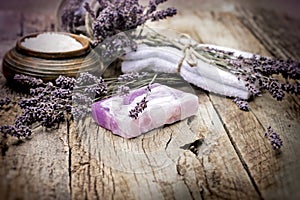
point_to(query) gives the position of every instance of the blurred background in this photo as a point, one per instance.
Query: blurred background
(279, 19)
(289, 8)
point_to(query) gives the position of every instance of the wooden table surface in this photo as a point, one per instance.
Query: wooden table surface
(234, 161)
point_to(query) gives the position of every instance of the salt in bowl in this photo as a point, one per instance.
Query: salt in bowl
(48, 64)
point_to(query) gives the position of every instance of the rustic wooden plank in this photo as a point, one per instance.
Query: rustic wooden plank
(211, 174)
(275, 176)
(157, 165)
(278, 33)
(37, 168)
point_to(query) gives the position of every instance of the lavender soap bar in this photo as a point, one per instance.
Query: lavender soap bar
(165, 106)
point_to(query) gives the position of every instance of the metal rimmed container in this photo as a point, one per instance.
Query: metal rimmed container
(49, 65)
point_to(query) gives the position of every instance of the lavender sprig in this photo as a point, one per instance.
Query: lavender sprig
(123, 90)
(87, 88)
(163, 14)
(132, 76)
(81, 105)
(142, 105)
(18, 131)
(118, 16)
(73, 16)
(139, 108)
(274, 138)
(65, 82)
(242, 104)
(48, 105)
(28, 81)
(260, 73)
(86, 78)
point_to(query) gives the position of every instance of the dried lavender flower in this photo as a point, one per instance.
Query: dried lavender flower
(19, 131)
(85, 78)
(274, 138)
(123, 90)
(259, 72)
(4, 101)
(242, 104)
(291, 88)
(65, 82)
(61, 93)
(28, 81)
(139, 108)
(253, 89)
(81, 103)
(275, 89)
(47, 105)
(163, 14)
(118, 16)
(81, 99)
(90, 11)
(114, 47)
(73, 16)
(28, 102)
(142, 105)
(132, 76)
(91, 85)
(79, 112)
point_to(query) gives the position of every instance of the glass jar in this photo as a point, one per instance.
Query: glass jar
(72, 16)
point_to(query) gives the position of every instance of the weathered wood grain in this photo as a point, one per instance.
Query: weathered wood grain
(268, 171)
(234, 160)
(158, 165)
(281, 38)
(37, 168)
(279, 34)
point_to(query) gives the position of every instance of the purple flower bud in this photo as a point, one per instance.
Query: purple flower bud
(243, 105)
(139, 108)
(274, 138)
(123, 90)
(28, 81)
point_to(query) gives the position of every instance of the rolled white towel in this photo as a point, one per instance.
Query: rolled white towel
(173, 55)
(205, 76)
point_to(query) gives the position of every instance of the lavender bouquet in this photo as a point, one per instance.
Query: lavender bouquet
(105, 18)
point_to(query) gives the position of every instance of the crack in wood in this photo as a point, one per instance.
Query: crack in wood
(182, 172)
(69, 156)
(193, 146)
(113, 184)
(239, 154)
(168, 142)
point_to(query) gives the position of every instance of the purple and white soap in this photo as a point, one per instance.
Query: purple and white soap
(165, 105)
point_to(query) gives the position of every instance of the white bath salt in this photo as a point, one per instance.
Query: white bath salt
(51, 42)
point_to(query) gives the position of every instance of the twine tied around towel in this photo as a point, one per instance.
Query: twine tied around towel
(190, 55)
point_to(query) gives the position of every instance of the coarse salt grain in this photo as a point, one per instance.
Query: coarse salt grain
(51, 42)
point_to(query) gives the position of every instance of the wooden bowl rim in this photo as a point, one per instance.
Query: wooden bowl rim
(54, 55)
